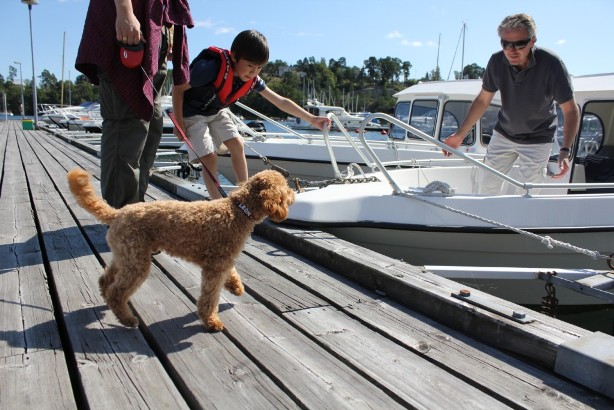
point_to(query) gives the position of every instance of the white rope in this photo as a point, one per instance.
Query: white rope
(548, 241)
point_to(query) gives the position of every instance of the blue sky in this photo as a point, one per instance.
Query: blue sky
(581, 32)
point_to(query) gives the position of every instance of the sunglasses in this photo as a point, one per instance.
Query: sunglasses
(517, 45)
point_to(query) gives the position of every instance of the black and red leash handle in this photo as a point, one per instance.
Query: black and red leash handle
(185, 139)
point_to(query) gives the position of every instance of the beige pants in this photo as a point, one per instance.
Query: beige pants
(502, 153)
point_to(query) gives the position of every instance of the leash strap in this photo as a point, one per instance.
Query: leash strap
(185, 139)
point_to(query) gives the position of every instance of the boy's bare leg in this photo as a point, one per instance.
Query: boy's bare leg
(210, 161)
(237, 156)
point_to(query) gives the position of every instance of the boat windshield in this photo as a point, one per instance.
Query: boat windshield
(423, 115)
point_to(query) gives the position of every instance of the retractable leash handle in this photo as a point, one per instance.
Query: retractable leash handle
(185, 139)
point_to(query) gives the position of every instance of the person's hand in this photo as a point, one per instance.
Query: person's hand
(320, 122)
(128, 29)
(453, 141)
(563, 165)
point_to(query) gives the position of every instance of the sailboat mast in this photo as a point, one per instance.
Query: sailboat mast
(437, 63)
(463, 52)
(62, 87)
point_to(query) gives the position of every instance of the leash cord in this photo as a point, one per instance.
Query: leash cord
(189, 144)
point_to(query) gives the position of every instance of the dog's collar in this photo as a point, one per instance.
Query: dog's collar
(243, 208)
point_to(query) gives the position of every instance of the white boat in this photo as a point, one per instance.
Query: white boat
(437, 109)
(431, 215)
(94, 122)
(349, 121)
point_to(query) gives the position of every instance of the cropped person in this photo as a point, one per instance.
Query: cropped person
(218, 78)
(130, 101)
(530, 80)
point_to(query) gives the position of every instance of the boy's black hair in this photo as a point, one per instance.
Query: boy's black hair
(252, 46)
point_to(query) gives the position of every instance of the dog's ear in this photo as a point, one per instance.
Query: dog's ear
(275, 202)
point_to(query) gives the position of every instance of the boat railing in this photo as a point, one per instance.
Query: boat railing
(526, 186)
(325, 135)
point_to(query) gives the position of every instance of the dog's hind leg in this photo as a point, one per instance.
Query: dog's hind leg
(233, 283)
(130, 275)
(106, 279)
(208, 302)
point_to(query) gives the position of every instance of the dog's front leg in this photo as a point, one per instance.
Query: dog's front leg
(208, 302)
(233, 283)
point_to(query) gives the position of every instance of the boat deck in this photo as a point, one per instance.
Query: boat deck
(339, 327)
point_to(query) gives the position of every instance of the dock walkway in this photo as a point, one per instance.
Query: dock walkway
(323, 324)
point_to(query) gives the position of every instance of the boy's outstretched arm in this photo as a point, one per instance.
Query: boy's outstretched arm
(292, 108)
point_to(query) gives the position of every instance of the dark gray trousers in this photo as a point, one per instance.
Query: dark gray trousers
(128, 144)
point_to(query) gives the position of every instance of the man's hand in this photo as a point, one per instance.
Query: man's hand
(563, 164)
(453, 141)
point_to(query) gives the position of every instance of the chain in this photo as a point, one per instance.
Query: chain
(550, 303)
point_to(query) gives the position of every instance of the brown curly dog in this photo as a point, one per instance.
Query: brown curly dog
(210, 234)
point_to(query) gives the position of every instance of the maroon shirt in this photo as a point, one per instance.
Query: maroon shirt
(99, 48)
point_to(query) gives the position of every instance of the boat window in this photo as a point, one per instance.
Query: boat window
(453, 115)
(591, 128)
(401, 112)
(423, 117)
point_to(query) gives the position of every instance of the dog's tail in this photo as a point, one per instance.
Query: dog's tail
(83, 190)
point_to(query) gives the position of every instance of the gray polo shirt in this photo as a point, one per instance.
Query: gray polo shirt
(528, 113)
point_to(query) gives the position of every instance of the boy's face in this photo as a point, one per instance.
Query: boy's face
(245, 70)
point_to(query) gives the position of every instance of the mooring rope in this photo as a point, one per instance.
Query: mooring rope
(445, 190)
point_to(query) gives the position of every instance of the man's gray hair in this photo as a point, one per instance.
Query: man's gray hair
(516, 22)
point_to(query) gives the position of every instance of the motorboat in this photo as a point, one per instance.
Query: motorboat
(432, 215)
(350, 122)
(436, 108)
(71, 117)
(94, 123)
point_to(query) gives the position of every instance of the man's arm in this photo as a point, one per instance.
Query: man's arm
(571, 122)
(127, 27)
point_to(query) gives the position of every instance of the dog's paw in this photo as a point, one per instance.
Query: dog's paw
(213, 324)
(129, 321)
(235, 287)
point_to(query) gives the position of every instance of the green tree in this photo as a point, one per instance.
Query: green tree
(473, 71)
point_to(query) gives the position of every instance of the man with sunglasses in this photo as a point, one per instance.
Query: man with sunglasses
(530, 80)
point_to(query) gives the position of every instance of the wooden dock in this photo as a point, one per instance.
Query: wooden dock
(324, 324)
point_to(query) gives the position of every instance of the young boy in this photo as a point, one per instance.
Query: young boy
(218, 78)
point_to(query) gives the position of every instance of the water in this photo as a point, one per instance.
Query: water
(593, 318)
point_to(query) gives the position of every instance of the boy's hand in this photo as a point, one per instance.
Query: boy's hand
(320, 122)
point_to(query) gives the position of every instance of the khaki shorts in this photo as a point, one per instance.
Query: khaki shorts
(207, 134)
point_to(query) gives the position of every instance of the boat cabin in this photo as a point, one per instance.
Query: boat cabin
(593, 152)
(437, 108)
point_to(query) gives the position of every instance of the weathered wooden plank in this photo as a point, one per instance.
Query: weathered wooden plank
(208, 368)
(368, 352)
(427, 293)
(495, 371)
(33, 368)
(71, 155)
(110, 357)
(316, 378)
(265, 325)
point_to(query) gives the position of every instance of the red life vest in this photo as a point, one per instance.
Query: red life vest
(211, 98)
